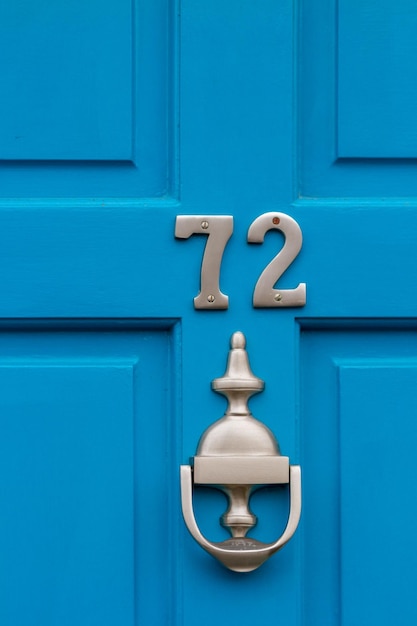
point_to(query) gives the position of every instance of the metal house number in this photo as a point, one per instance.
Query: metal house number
(219, 229)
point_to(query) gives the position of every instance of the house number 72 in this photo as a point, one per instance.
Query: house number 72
(219, 229)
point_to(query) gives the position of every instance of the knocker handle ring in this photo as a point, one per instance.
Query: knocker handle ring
(246, 554)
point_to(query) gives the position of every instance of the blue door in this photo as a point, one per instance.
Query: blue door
(115, 117)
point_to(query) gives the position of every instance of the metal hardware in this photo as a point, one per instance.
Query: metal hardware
(219, 229)
(265, 296)
(239, 454)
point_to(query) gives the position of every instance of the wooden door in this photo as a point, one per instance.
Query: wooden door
(116, 117)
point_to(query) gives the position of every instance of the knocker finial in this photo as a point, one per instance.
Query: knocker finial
(238, 383)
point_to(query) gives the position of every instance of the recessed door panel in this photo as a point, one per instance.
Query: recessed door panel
(86, 109)
(83, 420)
(358, 398)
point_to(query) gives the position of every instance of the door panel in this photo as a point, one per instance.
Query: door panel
(376, 95)
(88, 440)
(86, 109)
(359, 436)
(357, 86)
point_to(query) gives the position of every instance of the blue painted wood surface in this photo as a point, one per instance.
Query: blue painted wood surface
(238, 108)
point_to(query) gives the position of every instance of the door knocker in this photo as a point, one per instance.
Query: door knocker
(239, 454)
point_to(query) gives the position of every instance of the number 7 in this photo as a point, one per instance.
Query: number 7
(219, 229)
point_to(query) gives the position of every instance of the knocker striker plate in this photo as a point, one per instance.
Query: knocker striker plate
(239, 454)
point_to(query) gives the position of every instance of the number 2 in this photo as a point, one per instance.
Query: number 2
(265, 296)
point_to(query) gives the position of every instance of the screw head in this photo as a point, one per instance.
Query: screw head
(211, 298)
(276, 220)
(204, 224)
(278, 297)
